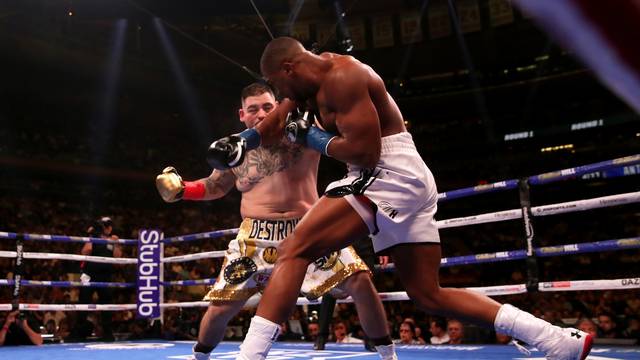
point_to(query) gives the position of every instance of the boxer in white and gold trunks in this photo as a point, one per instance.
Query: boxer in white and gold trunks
(278, 186)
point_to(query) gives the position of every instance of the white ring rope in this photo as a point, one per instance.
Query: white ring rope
(543, 210)
(197, 256)
(72, 257)
(551, 209)
(480, 219)
(572, 285)
(588, 204)
(577, 285)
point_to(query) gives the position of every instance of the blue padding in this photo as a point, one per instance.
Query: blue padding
(581, 170)
(476, 190)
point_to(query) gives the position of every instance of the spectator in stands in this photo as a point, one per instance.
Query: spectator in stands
(455, 329)
(17, 330)
(63, 331)
(340, 334)
(419, 334)
(587, 325)
(607, 326)
(633, 328)
(313, 330)
(551, 316)
(56, 316)
(407, 334)
(438, 331)
(286, 334)
(50, 327)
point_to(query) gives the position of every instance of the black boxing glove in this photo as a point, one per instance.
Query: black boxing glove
(300, 130)
(297, 126)
(230, 151)
(227, 152)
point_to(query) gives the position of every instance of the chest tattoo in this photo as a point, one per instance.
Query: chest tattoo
(266, 161)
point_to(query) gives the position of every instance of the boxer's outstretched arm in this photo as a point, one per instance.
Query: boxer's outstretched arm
(172, 188)
(357, 119)
(218, 184)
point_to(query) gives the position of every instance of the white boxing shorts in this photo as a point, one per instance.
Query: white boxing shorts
(251, 256)
(397, 199)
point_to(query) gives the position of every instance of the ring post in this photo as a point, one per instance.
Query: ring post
(17, 272)
(527, 217)
(161, 282)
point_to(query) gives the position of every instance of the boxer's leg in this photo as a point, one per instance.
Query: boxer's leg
(213, 326)
(330, 225)
(418, 265)
(371, 313)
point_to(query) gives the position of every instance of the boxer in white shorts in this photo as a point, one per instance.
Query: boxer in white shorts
(400, 190)
(362, 126)
(278, 186)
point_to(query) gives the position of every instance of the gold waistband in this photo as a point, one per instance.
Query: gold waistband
(266, 230)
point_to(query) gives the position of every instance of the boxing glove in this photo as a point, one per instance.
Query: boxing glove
(299, 129)
(227, 152)
(172, 188)
(170, 185)
(297, 126)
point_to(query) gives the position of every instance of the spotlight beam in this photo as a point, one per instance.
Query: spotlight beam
(185, 89)
(264, 23)
(251, 73)
(404, 65)
(104, 115)
(293, 16)
(480, 101)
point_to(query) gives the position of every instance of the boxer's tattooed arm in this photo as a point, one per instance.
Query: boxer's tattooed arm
(219, 183)
(266, 161)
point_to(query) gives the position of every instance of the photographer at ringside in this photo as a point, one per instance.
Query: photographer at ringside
(17, 330)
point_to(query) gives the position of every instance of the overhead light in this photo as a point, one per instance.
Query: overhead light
(526, 68)
(518, 136)
(70, 13)
(557, 148)
(587, 124)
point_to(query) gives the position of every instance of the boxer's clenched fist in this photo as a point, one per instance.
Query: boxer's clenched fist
(170, 185)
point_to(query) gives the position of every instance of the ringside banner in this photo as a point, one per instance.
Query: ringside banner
(149, 274)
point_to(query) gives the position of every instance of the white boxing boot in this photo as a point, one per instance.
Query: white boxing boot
(555, 342)
(387, 352)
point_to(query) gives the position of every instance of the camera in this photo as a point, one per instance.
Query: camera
(97, 228)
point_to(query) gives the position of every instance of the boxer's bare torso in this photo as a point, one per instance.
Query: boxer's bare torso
(277, 182)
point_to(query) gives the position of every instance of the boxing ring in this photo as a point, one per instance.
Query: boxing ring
(181, 350)
(160, 349)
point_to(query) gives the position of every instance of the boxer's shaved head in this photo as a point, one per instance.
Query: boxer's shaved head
(278, 51)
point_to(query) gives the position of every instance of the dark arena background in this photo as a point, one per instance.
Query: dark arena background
(526, 114)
